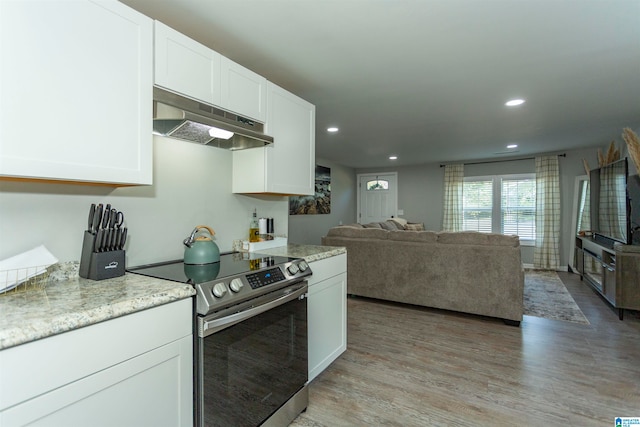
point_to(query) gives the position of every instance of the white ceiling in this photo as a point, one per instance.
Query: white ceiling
(427, 80)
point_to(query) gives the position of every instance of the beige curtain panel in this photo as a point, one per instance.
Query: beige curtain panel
(546, 252)
(453, 185)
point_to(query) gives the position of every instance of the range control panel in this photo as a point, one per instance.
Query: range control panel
(263, 278)
(224, 292)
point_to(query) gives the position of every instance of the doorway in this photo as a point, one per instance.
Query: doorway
(377, 196)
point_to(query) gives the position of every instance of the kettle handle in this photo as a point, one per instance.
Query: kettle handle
(209, 229)
(192, 238)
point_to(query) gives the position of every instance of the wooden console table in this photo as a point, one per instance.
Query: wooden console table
(612, 270)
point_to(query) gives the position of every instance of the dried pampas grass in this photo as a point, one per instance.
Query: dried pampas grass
(612, 155)
(633, 145)
(586, 166)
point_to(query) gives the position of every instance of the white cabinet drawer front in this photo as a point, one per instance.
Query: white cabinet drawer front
(326, 268)
(185, 66)
(32, 369)
(152, 389)
(243, 91)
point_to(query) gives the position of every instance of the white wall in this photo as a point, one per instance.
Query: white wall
(192, 186)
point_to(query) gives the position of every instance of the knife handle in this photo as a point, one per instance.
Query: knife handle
(124, 238)
(97, 218)
(97, 245)
(92, 212)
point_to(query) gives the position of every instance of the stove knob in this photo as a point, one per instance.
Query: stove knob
(303, 266)
(219, 289)
(236, 284)
(292, 269)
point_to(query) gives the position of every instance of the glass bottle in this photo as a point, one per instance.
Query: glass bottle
(254, 230)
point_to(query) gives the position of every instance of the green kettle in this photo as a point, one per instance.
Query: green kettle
(201, 249)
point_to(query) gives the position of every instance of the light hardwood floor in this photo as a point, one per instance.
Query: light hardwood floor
(408, 366)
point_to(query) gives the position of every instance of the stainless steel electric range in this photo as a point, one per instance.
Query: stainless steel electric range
(250, 342)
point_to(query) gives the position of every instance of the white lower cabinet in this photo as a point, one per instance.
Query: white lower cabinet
(135, 370)
(327, 312)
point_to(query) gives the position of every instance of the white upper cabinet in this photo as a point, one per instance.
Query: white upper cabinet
(243, 91)
(287, 166)
(185, 66)
(76, 91)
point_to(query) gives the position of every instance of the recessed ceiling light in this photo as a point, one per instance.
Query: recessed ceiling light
(393, 157)
(512, 146)
(514, 102)
(332, 129)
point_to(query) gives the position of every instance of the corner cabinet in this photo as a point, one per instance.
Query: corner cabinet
(184, 66)
(134, 370)
(76, 92)
(288, 166)
(327, 312)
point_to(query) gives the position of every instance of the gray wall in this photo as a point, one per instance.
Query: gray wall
(420, 190)
(309, 229)
(192, 186)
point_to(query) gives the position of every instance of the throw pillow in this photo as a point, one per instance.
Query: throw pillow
(415, 226)
(400, 221)
(372, 225)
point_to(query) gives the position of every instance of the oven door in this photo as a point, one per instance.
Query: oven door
(252, 359)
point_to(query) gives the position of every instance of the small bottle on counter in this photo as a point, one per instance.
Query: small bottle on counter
(262, 229)
(254, 229)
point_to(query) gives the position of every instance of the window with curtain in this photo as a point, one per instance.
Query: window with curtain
(504, 204)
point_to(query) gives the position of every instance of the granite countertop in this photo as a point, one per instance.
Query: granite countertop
(309, 253)
(69, 303)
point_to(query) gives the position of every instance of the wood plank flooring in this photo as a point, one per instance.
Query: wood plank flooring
(410, 366)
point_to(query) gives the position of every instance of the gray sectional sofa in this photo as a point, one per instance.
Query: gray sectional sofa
(468, 272)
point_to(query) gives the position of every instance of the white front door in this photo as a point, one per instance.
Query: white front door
(377, 197)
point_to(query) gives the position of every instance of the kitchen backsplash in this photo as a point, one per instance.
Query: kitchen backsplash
(192, 186)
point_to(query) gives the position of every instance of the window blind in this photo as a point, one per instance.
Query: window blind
(477, 204)
(500, 204)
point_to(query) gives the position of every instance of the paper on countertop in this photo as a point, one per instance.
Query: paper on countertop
(26, 265)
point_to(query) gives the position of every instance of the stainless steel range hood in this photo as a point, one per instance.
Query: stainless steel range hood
(179, 117)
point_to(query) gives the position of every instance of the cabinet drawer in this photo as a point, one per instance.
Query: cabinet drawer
(32, 369)
(328, 267)
(151, 389)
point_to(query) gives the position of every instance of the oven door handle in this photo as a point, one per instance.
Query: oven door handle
(212, 326)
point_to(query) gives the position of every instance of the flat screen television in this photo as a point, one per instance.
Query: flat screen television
(610, 204)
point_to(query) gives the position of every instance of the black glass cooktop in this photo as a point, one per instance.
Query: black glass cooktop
(231, 264)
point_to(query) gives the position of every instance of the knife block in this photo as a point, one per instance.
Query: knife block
(99, 265)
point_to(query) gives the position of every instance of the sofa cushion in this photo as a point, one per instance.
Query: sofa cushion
(476, 238)
(359, 233)
(413, 236)
(354, 225)
(503, 240)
